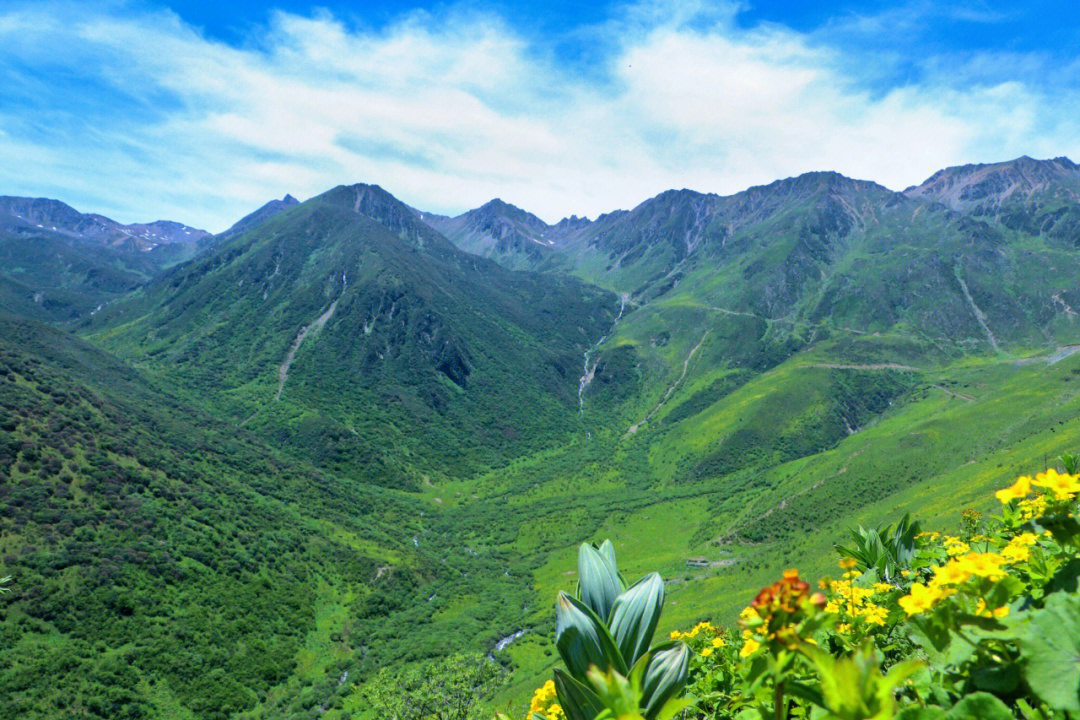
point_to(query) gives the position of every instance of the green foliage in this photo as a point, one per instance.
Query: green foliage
(451, 688)
(884, 549)
(603, 637)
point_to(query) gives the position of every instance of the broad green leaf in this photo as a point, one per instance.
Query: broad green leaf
(582, 640)
(634, 617)
(598, 580)
(576, 700)
(665, 676)
(607, 550)
(1049, 640)
(979, 706)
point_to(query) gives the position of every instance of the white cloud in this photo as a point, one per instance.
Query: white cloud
(447, 112)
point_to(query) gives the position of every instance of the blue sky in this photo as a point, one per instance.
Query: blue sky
(200, 111)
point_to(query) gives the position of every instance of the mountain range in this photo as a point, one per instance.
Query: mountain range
(242, 471)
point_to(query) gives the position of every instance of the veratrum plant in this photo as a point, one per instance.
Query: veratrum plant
(608, 629)
(885, 549)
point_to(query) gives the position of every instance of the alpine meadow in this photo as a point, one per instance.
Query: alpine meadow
(803, 450)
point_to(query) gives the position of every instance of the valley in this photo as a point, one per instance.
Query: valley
(348, 434)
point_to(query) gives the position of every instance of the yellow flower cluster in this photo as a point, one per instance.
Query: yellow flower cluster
(955, 546)
(543, 702)
(704, 627)
(1063, 485)
(853, 601)
(1019, 548)
(957, 571)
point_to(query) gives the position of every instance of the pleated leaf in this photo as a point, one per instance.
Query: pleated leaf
(598, 579)
(665, 676)
(583, 640)
(576, 700)
(635, 615)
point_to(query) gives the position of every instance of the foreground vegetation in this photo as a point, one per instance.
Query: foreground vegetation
(919, 626)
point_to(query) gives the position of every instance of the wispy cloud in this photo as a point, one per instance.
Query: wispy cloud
(142, 116)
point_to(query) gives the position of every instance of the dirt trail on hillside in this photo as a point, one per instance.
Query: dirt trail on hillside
(871, 366)
(667, 395)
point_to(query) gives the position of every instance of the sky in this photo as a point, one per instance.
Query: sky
(201, 112)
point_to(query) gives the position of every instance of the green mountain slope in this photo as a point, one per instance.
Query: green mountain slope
(164, 564)
(368, 345)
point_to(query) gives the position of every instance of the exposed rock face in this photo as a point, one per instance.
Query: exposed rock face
(984, 189)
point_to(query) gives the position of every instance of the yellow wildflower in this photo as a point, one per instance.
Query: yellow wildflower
(1031, 509)
(555, 712)
(987, 565)
(1017, 491)
(707, 652)
(718, 642)
(675, 635)
(749, 647)
(543, 695)
(1025, 539)
(875, 614)
(1064, 487)
(847, 563)
(957, 549)
(982, 611)
(1016, 553)
(951, 573)
(920, 600)
(905, 573)
(880, 587)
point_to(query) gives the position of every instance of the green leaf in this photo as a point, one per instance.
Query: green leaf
(672, 707)
(979, 706)
(665, 676)
(583, 640)
(635, 615)
(607, 550)
(598, 579)
(576, 700)
(1049, 640)
(921, 713)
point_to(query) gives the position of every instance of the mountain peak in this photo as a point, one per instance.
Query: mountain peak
(27, 214)
(262, 214)
(983, 188)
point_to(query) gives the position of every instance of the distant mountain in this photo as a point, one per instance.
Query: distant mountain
(25, 215)
(264, 213)
(1038, 197)
(364, 337)
(500, 231)
(57, 264)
